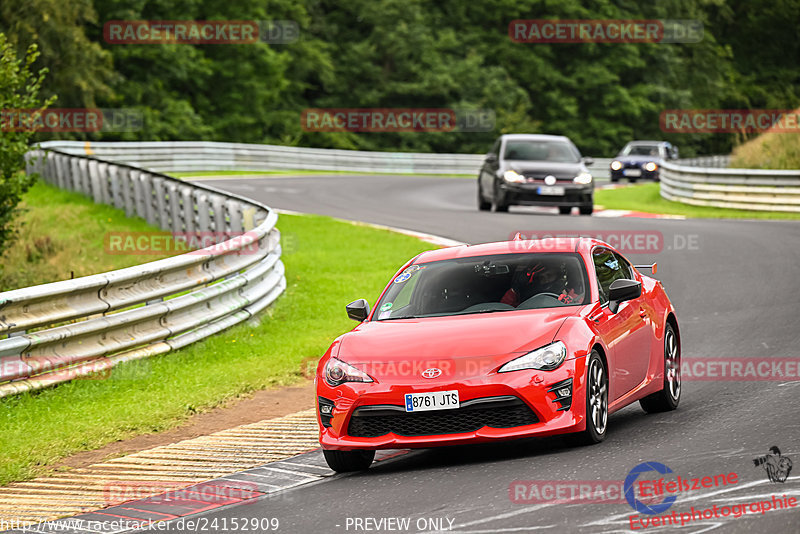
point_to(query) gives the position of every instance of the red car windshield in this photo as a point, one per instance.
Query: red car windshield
(484, 284)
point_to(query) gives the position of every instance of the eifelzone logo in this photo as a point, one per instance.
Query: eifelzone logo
(775, 464)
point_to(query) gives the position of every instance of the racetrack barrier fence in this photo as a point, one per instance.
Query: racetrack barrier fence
(63, 330)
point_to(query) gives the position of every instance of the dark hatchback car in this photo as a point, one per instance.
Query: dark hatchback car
(641, 159)
(535, 170)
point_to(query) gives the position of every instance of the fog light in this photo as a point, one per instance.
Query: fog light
(326, 407)
(563, 392)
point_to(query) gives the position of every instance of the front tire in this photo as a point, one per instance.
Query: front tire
(348, 461)
(586, 210)
(483, 205)
(565, 210)
(596, 401)
(669, 397)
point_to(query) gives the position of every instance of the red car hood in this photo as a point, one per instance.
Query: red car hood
(466, 344)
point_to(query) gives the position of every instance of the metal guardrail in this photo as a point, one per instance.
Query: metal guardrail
(704, 161)
(67, 329)
(748, 189)
(188, 156)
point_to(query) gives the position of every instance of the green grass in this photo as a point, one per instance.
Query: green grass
(301, 172)
(328, 264)
(646, 198)
(62, 234)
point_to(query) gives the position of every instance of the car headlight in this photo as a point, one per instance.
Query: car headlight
(616, 165)
(338, 372)
(650, 166)
(583, 178)
(544, 359)
(513, 176)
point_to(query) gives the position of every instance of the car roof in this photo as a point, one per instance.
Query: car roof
(535, 137)
(648, 143)
(525, 246)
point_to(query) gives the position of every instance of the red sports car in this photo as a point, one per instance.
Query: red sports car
(498, 341)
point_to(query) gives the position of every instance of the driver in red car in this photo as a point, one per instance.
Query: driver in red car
(541, 278)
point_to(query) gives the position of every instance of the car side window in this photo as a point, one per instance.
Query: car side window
(608, 267)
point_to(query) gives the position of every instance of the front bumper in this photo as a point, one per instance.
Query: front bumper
(645, 175)
(521, 391)
(529, 195)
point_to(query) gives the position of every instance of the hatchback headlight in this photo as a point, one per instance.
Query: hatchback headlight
(544, 359)
(583, 178)
(513, 176)
(650, 166)
(616, 165)
(338, 372)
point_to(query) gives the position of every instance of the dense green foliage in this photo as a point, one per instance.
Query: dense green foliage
(414, 53)
(19, 89)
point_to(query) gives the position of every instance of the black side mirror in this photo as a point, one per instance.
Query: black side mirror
(358, 310)
(491, 157)
(588, 161)
(622, 290)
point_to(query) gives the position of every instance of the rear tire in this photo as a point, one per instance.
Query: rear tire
(669, 397)
(565, 210)
(348, 461)
(596, 401)
(586, 210)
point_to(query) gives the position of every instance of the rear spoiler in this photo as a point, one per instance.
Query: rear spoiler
(653, 267)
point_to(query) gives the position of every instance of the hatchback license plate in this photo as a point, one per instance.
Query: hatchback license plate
(434, 400)
(632, 172)
(551, 191)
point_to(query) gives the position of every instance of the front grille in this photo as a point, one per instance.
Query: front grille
(538, 177)
(494, 412)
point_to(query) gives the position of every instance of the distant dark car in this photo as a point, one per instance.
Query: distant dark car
(641, 159)
(535, 170)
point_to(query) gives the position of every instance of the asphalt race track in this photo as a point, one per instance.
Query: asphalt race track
(734, 284)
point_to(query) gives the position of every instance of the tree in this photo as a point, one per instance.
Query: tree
(19, 90)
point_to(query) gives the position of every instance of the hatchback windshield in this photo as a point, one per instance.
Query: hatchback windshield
(640, 150)
(484, 284)
(530, 150)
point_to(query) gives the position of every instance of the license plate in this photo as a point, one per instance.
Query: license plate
(554, 191)
(434, 400)
(632, 172)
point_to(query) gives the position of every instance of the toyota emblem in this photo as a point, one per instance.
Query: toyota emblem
(433, 372)
(549, 179)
